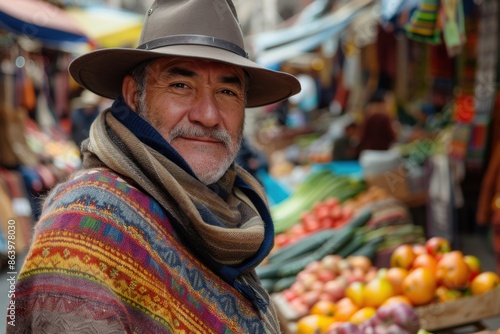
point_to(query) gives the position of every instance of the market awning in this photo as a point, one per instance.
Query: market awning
(108, 27)
(39, 20)
(272, 48)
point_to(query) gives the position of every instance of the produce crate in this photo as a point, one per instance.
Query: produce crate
(453, 314)
(463, 311)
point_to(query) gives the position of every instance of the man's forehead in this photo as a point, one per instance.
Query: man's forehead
(193, 63)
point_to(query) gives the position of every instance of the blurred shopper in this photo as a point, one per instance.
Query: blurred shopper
(345, 147)
(377, 131)
(86, 108)
(251, 159)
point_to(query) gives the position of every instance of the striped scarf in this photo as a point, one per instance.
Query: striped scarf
(227, 225)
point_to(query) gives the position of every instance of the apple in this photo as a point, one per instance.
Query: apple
(324, 275)
(358, 261)
(336, 288)
(330, 262)
(437, 246)
(474, 265)
(419, 249)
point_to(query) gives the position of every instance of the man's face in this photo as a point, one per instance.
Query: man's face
(199, 108)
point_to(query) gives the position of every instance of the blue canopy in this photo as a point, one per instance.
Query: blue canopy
(39, 20)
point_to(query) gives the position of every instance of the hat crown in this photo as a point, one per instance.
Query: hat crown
(215, 18)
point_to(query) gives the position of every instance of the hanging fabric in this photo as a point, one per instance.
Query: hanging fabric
(453, 26)
(423, 25)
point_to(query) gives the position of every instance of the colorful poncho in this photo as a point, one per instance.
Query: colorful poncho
(107, 258)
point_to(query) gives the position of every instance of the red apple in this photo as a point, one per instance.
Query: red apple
(437, 246)
(474, 265)
(336, 288)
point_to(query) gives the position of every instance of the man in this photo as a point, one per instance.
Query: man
(161, 231)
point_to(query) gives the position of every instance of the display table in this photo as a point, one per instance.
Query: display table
(438, 318)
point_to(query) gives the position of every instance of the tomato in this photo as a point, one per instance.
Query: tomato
(336, 212)
(281, 240)
(327, 222)
(321, 211)
(420, 286)
(331, 202)
(437, 246)
(425, 260)
(402, 256)
(312, 226)
(452, 271)
(377, 291)
(484, 282)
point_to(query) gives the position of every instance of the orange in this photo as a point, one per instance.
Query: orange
(402, 256)
(356, 292)
(396, 275)
(420, 286)
(444, 294)
(345, 309)
(324, 307)
(398, 299)
(314, 323)
(377, 291)
(362, 314)
(419, 249)
(484, 282)
(425, 260)
(452, 270)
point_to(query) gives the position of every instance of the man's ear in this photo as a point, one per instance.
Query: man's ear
(129, 92)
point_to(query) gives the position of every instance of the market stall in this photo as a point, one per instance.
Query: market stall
(415, 190)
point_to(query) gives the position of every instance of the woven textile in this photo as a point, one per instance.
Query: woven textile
(423, 24)
(119, 252)
(120, 270)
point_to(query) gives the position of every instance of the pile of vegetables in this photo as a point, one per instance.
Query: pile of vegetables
(315, 188)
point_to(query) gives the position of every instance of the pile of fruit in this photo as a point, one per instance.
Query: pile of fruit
(338, 295)
(350, 295)
(434, 272)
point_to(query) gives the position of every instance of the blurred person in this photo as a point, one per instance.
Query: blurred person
(376, 133)
(251, 158)
(161, 231)
(85, 111)
(345, 147)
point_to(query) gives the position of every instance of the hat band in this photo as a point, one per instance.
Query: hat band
(193, 40)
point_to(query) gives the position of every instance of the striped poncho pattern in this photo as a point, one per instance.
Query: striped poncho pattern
(105, 259)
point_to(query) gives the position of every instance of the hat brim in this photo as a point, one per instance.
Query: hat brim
(102, 71)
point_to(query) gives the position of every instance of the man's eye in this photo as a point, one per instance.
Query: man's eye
(179, 85)
(228, 92)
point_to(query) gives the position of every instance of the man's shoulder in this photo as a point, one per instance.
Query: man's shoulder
(99, 177)
(96, 185)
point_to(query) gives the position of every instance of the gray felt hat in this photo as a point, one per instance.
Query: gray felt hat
(207, 29)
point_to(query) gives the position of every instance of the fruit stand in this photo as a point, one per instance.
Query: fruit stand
(440, 317)
(351, 260)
